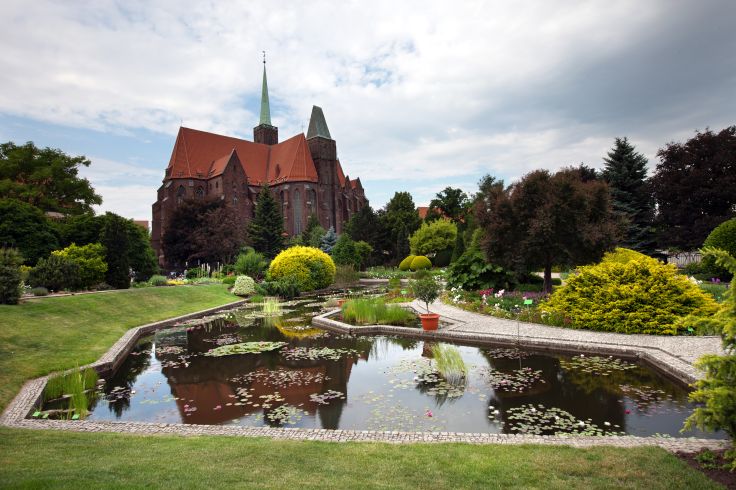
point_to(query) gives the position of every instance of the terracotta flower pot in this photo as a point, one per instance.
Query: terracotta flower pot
(341, 302)
(430, 321)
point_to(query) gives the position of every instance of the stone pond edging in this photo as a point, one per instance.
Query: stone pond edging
(16, 413)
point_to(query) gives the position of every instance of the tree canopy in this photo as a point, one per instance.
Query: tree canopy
(450, 203)
(25, 228)
(694, 186)
(45, 178)
(266, 229)
(546, 219)
(400, 219)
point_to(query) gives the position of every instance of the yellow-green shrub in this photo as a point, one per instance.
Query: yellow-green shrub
(420, 262)
(405, 264)
(309, 267)
(639, 295)
(624, 255)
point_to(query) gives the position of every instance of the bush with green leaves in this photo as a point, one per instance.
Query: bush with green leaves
(158, 281)
(346, 275)
(420, 262)
(716, 391)
(436, 237)
(309, 267)
(251, 263)
(229, 280)
(637, 296)
(724, 238)
(471, 272)
(244, 285)
(55, 273)
(405, 264)
(426, 290)
(349, 252)
(285, 288)
(91, 261)
(40, 291)
(10, 280)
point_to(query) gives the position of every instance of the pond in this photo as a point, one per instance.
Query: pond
(294, 375)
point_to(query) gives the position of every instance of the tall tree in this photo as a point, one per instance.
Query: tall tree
(266, 229)
(450, 203)
(45, 178)
(625, 171)
(694, 187)
(115, 239)
(24, 227)
(546, 219)
(401, 219)
(366, 225)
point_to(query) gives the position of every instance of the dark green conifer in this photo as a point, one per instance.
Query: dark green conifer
(114, 237)
(266, 230)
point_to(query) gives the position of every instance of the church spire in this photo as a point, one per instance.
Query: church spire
(265, 107)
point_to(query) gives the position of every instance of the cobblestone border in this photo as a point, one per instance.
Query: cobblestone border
(17, 411)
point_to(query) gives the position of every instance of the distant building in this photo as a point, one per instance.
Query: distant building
(303, 173)
(143, 223)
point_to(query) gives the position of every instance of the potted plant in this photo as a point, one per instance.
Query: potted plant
(427, 290)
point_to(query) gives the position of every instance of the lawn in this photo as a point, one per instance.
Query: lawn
(48, 458)
(58, 333)
(50, 334)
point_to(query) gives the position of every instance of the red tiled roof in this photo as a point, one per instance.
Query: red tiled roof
(422, 210)
(201, 154)
(141, 222)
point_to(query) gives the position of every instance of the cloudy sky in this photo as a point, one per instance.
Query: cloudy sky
(418, 95)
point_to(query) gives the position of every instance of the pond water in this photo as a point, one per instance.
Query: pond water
(313, 378)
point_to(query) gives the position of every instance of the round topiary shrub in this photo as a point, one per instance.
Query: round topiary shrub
(244, 285)
(636, 296)
(420, 262)
(158, 281)
(309, 267)
(405, 264)
(723, 236)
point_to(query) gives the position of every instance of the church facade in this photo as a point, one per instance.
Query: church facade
(303, 173)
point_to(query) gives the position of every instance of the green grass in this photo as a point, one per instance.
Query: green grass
(372, 311)
(51, 334)
(48, 458)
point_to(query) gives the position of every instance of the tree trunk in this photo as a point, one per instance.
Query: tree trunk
(548, 278)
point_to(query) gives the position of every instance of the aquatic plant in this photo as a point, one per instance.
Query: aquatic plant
(599, 366)
(271, 306)
(244, 348)
(73, 385)
(375, 311)
(450, 363)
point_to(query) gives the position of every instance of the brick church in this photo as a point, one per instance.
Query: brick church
(303, 173)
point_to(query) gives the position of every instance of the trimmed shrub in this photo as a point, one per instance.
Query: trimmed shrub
(637, 296)
(158, 281)
(471, 272)
(723, 237)
(426, 290)
(91, 261)
(244, 285)
(55, 273)
(40, 291)
(309, 267)
(405, 264)
(420, 262)
(10, 281)
(349, 252)
(623, 256)
(286, 288)
(434, 237)
(251, 263)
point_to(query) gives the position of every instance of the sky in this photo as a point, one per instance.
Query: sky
(419, 95)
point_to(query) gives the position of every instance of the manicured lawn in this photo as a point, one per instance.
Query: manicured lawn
(50, 334)
(45, 458)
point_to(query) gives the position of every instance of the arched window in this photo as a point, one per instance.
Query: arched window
(199, 193)
(297, 212)
(180, 193)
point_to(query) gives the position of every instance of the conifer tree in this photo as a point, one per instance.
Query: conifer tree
(312, 223)
(266, 229)
(625, 172)
(328, 241)
(114, 237)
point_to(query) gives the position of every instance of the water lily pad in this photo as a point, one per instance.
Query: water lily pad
(244, 348)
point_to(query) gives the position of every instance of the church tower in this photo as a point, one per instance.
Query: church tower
(324, 154)
(264, 132)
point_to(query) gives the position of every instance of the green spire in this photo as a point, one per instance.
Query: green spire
(265, 107)
(317, 124)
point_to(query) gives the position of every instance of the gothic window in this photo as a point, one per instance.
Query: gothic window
(200, 193)
(297, 212)
(180, 193)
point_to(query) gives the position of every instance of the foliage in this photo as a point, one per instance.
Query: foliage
(367, 226)
(399, 219)
(625, 171)
(114, 237)
(717, 390)
(622, 255)
(693, 187)
(315, 237)
(40, 291)
(47, 179)
(450, 363)
(426, 290)
(450, 204)
(310, 267)
(25, 228)
(346, 275)
(251, 263)
(718, 291)
(472, 272)
(75, 385)
(266, 229)
(244, 285)
(229, 280)
(405, 264)
(723, 237)
(244, 348)
(10, 280)
(91, 261)
(434, 237)
(329, 240)
(546, 219)
(141, 257)
(375, 311)
(157, 281)
(55, 273)
(641, 296)
(420, 262)
(349, 252)
(312, 223)
(286, 288)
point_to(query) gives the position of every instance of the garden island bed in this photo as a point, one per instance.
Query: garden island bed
(412, 405)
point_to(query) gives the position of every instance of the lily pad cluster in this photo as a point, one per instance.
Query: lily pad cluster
(507, 353)
(540, 420)
(518, 380)
(315, 353)
(281, 378)
(286, 414)
(645, 397)
(600, 366)
(244, 348)
(323, 398)
(169, 349)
